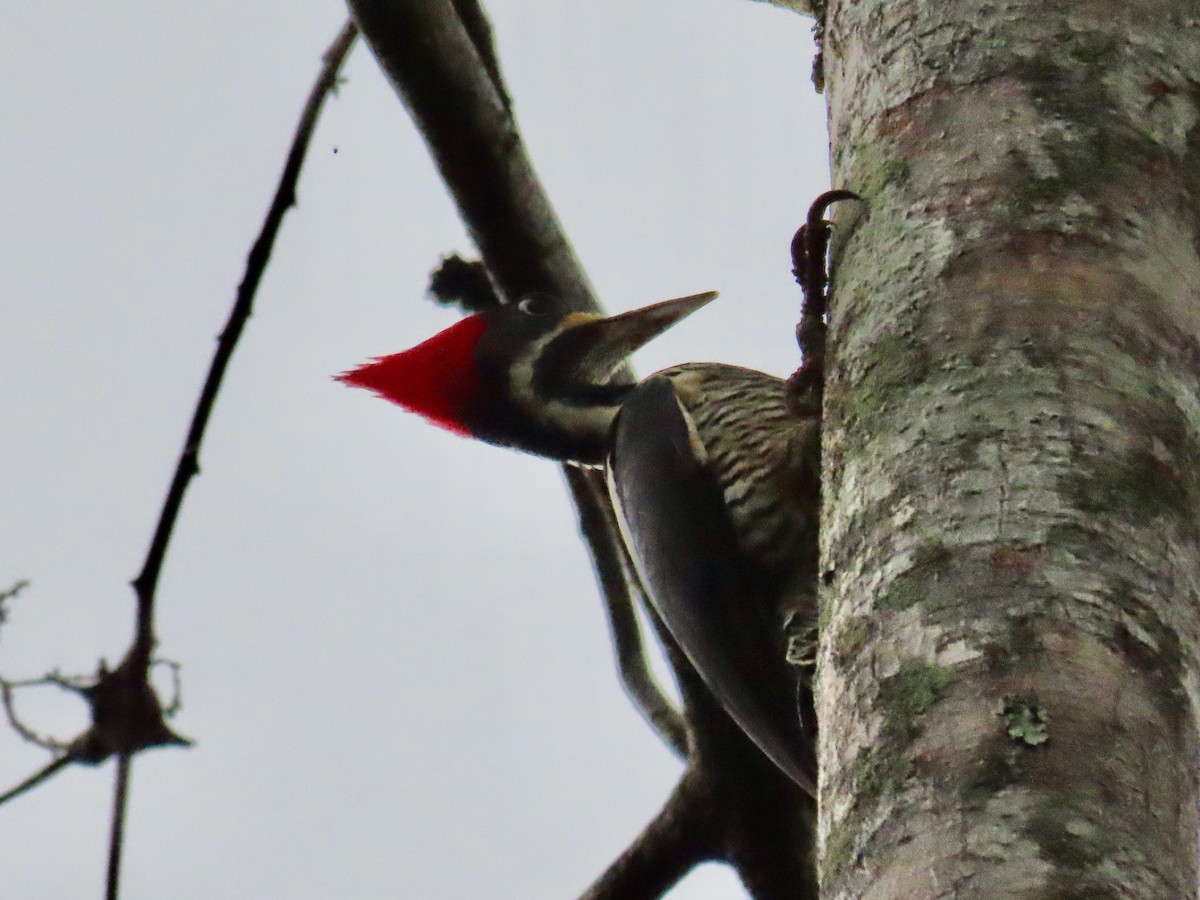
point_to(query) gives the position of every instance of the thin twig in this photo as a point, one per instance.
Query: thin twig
(51, 768)
(10, 594)
(26, 733)
(607, 549)
(13, 591)
(76, 684)
(146, 583)
(188, 466)
(176, 702)
(117, 834)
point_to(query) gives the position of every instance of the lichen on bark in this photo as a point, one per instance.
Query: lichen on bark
(1012, 451)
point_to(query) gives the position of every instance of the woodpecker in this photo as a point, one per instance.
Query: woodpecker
(715, 473)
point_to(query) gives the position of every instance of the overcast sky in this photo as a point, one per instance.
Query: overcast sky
(396, 666)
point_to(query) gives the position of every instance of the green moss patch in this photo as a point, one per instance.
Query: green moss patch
(1025, 721)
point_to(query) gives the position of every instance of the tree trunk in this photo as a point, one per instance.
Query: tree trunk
(1008, 682)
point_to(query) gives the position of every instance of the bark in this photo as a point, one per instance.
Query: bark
(433, 59)
(1008, 689)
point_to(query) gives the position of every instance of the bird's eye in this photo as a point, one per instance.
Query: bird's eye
(536, 305)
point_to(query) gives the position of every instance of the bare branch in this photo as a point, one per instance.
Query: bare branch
(13, 591)
(475, 21)
(43, 774)
(678, 839)
(176, 702)
(188, 466)
(10, 594)
(75, 683)
(127, 716)
(27, 734)
(607, 549)
(117, 833)
(457, 99)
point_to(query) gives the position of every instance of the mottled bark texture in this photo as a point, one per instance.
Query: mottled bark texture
(1008, 693)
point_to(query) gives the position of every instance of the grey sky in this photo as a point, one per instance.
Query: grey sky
(396, 665)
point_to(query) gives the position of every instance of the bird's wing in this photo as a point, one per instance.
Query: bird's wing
(714, 604)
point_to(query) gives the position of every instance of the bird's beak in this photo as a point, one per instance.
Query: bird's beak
(599, 344)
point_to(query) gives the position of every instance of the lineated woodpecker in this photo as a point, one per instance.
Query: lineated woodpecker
(716, 475)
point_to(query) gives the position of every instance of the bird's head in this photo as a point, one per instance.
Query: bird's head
(531, 375)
